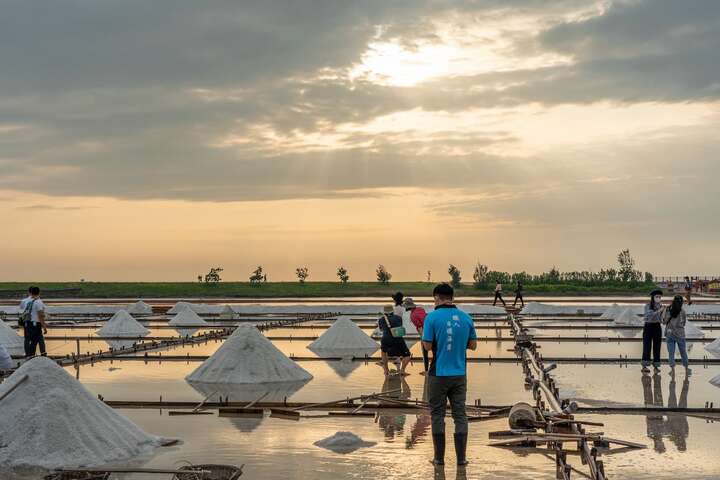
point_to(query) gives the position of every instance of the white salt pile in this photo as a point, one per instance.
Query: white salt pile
(179, 307)
(611, 312)
(122, 324)
(227, 313)
(344, 335)
(628, 317)
(692, 331)
(187, 317)
(201, 308)
(12, 342)
(343, 442)
(244, 392)
(51, 420)
(715, 381)
(140, 308)
(714, 346)
(248, 357)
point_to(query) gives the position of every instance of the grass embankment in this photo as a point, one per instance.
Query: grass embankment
(309, 289)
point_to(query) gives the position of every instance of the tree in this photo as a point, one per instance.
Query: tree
(480, 275)
(258, 276)
(455, 277)
(200, 278)
(302, 273)
(627, 267)
(343, 275)
(213, 276)
(649, 277)
(383, 276)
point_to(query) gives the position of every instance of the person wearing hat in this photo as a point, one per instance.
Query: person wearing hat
(652, 331)
(390, 345)
(417, 317)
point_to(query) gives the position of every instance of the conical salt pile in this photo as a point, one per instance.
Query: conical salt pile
(248, 357)
(227, 313)
(627, 317)
(122, 324)
(140, 308)
(179, 307)
(611, 312)
(187, 317)
(50, 421)
(714, 346)
(343, 335)
(12, 342)
(692, 331)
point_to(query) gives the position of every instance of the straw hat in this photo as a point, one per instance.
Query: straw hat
(388, 309)
(409, 303)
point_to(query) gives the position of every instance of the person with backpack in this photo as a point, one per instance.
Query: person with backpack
(675, 319)
(32, 318)
(448, 332)
(392, 343)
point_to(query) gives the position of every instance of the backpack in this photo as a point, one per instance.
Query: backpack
(26, 315)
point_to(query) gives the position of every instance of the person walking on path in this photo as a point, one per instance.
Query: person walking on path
(32, 311)
(688, 290)
(652, 331)
(390, 345)
(498, 294)
(675, 319)
(448, 332)
(519, 294)
(417, 317)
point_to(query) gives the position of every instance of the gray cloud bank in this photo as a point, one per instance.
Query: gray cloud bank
(125, 99)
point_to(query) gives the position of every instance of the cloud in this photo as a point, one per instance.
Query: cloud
(45, 207)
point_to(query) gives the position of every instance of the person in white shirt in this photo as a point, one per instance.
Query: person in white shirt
(33, 310)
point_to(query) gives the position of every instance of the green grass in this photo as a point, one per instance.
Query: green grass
(310, 289)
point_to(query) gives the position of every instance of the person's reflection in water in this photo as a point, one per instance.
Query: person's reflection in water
(394, 424)
(655, 422)
(422, 423)
(677, 426)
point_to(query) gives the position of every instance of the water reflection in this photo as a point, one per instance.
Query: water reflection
(393, 424)
(673, 426)
(268, 392)
(420, 429)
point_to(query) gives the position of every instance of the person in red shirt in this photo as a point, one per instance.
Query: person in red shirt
(417, 317)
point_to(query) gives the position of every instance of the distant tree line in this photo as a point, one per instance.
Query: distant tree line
(483, 277)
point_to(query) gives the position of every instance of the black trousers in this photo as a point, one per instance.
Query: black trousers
(440, 391)
(652, 339)
(33, 338)
(498, 296)
(518, 296)
(426, 359)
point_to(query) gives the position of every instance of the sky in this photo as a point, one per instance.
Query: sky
(152, 140)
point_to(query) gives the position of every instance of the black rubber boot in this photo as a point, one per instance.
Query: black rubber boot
(439, 447)
(461, 448)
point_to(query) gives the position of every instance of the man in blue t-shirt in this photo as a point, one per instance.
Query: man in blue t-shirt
(448, 333)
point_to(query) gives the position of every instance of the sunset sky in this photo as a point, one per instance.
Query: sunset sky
(150, 140)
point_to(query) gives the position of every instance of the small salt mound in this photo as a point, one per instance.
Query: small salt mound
(611, 312)
(12, 342)
(187, 317)
(201, 308)
(714, 346)
(51, 420)
(343, 335)
(343, 442)
(179, 307)
(692, 331)
(627, 317)
(227, 313)
(140, 308)
(715, 381)
(122, 324)
(248, 357)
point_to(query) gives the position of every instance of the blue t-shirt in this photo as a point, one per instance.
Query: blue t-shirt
(449, 329)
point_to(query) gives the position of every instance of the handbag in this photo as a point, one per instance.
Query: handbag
(26, 315)
(396, 332)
